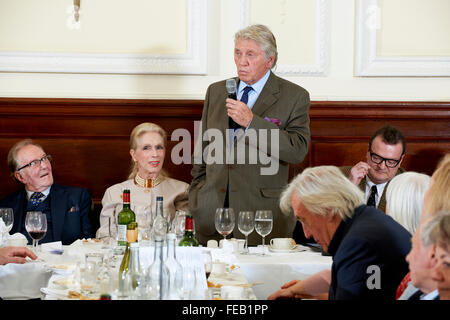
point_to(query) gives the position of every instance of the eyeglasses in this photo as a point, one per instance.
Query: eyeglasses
(34, 163)
(390, 163)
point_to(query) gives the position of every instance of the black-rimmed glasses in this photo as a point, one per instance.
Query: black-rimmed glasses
(33, 163)
(390, 163)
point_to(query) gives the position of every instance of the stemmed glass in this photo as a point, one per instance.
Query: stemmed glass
(6, 214)
(224, 221)
(36, 226)
(246, 225)
(263, 225)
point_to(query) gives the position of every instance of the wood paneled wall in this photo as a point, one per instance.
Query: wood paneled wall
(88, 138)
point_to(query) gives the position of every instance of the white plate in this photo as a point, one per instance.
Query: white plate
(297, 248)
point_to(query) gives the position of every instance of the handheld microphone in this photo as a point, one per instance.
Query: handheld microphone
(231, 89)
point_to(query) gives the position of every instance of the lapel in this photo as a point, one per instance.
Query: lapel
(268, 96)
(58, 200)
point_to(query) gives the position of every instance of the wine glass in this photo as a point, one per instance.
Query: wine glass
(246, 225)
(36, 226)
(263, 225)
(207, 261)
(7, 215)
(178, 224)
(224, 221)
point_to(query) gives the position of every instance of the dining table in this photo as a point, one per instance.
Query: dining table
(260, 275)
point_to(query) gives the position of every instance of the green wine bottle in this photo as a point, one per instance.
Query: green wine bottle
(189, 239)
(125, 217)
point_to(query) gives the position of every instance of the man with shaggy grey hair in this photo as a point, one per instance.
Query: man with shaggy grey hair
(368, 248)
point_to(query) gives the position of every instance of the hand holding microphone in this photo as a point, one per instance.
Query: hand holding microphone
(238, 112)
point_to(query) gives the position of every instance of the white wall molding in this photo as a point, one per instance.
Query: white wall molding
(368, 63)
(192, 62)
(322, 39)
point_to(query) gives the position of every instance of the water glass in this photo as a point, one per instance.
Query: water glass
(7, 217)
(263, 225)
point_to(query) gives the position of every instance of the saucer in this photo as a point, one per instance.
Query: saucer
(296, 248)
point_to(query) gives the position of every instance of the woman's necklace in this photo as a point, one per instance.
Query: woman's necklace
(147, 183)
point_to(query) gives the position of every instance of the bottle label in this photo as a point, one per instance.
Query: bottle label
(122, 233)
(132, 235)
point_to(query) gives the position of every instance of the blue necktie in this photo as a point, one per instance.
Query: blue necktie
(36, 198)
(244, 99)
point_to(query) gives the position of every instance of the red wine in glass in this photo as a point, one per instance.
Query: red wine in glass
(37, 234)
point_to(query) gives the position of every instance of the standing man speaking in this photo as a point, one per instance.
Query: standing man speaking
(269, 117)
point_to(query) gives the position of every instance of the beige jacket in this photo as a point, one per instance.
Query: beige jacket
(175, 195)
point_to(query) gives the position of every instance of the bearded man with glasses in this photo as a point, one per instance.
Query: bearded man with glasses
(67, 208)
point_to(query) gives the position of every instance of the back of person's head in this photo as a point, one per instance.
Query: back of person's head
(390, 135)
(323, 190)
(136, 133)
(436, 230)
(13, 162)
(263, 37)
(439, 191)
(404, 198)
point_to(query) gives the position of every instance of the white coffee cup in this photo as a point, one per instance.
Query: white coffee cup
(281, 243)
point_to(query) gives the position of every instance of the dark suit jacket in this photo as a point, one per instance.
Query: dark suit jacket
(368, 240)
(70, 207)
(248, 189)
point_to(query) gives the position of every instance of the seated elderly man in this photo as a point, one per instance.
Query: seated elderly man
(66, 208)
(368, 248)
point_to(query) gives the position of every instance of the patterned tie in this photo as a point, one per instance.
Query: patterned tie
(244, 99)
(373, 192)
(36, 198)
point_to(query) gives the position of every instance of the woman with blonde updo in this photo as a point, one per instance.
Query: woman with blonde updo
(146, 181)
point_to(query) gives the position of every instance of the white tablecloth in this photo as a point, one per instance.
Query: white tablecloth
(25, 281)
(275, 269)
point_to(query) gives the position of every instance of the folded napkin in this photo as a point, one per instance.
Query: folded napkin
(52, 247)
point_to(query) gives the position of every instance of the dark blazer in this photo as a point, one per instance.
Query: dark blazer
(248, 189)
(368, 240)
(70, 208)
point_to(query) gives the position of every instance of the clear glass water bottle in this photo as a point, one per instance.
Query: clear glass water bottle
(156, 273)
(160, 225)
(174, 271)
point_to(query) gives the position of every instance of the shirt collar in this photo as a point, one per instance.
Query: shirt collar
(430, 296)
(257, 86)
(45, 193)
(380, 187)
